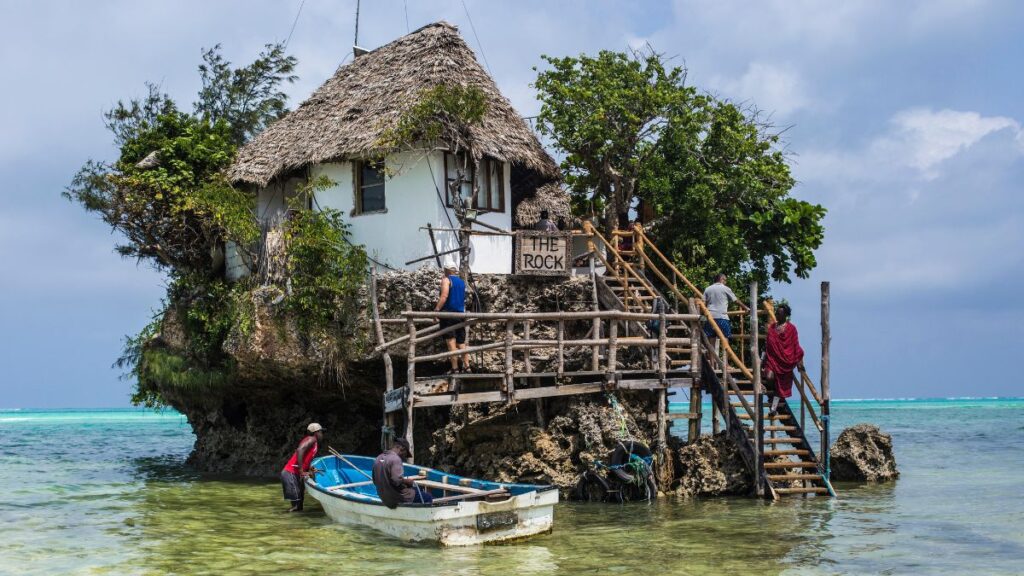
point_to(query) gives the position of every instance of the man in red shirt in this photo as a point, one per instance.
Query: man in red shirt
(297, 468)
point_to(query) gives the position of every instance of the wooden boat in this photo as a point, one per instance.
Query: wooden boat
(464, 512)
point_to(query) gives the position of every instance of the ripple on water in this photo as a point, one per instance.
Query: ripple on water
(111, 500)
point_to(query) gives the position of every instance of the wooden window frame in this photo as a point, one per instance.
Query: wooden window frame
(484, 191)
(357, 173)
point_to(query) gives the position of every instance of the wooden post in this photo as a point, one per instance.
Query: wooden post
(595, 351)
(510, 385)
(755, 358)
(693, 430)
(613, 351)
(662, 347)
(662, 428)
(714, 418)
(410, 382)
(433, 246)
(389, 372)
(561, 352)
(528, 365)
(826, 392)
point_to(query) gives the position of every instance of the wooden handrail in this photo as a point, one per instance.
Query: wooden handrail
(587, 226)
(700, 302)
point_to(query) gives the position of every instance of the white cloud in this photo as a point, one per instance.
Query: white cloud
(774, 88)
(922, 139)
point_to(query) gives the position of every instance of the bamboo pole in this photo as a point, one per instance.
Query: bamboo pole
(389, 372)
(613, 351)
(561, 351)
(528, 366)
(826, 393)
(510, 386)
(755, 357)
(662, 346)
(551, 316)
(410, 382)
(596, 324)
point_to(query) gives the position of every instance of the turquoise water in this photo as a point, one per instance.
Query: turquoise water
(107, 492)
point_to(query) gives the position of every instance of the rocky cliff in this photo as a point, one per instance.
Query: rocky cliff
(283, 378)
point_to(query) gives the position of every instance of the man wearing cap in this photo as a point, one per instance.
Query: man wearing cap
(453, 299)
(297, 468)
(393, 486)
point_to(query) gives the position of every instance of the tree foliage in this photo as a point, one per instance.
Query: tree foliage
(444, 113)
(606, 113)
(166, 193)
(325, 271)
(169, 198)
(247, 99)
(719, 185)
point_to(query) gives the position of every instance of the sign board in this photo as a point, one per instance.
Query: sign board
(395, 399)
(543, 253)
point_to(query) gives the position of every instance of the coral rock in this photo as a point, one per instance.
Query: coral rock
(863, 453)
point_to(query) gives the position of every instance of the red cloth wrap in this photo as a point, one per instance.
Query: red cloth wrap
(782, 354)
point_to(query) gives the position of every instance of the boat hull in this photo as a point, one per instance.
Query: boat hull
(461, 524)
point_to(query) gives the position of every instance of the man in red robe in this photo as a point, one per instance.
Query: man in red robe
(781, 355)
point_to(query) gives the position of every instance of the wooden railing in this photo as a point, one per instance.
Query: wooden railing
(814, 403)
(517, 336)
(620, 268)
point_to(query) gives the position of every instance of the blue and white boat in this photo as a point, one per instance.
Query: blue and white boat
(464, 512)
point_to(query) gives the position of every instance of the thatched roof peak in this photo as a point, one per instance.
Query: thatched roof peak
(346, 116)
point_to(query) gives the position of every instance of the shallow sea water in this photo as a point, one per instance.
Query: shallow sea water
(107, 492)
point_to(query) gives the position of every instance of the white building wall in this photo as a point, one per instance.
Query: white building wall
(413, 197)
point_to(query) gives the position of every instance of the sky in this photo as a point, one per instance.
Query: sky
(902, 118)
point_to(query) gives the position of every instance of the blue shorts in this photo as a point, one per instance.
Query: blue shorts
(422, 496)
(723, 324)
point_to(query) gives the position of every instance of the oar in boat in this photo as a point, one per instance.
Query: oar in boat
(346, 461)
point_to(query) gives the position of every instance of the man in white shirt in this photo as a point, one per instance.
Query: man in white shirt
(717, 297)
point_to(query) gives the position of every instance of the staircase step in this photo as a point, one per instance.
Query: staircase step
(789, 477)
(793, 464)
(783, 440)
(776, 417)
(801, 490)
(787, 452)
(781, 428)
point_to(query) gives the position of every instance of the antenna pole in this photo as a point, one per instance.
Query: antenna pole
(356, 43)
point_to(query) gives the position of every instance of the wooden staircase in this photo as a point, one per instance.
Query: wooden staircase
(775, 447)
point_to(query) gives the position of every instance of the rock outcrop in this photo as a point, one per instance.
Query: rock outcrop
(863, 453)
(711, 466)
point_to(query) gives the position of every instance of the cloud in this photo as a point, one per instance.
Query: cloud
(922, 139)
(911, 211)
(774, 88)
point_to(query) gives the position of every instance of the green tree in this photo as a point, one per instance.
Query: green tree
(631, 129)
(167, 193)
(605, 114)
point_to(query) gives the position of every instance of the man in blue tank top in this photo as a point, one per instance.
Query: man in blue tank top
(453, 299)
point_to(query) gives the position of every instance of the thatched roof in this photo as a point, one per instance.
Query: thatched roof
(548, 197)
(348, 114)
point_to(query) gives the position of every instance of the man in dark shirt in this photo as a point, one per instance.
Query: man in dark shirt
(392, 486)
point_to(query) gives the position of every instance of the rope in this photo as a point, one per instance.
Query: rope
(623, 430)
(296, 21)
(473, 28)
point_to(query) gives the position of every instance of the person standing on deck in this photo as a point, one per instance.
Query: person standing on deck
(545, 224)
(392, 485)
(297, 469)
(717, 297)
(782, 353)
(453, 299)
